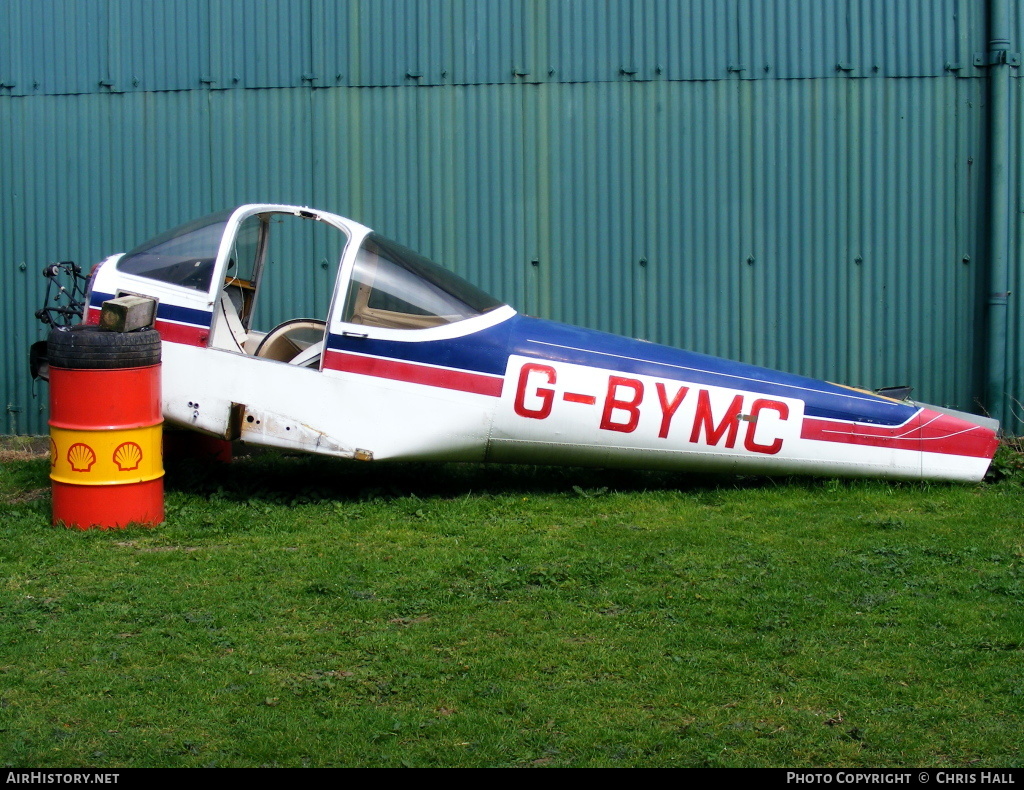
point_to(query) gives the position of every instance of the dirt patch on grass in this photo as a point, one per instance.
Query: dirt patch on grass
(10, 456)
(23, 448)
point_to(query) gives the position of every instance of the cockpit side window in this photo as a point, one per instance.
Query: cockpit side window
(244, 260)
(395, 288)
(245, 263)
(184, 256)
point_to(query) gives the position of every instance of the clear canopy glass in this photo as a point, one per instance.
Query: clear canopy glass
(395, 288)
(184, 256)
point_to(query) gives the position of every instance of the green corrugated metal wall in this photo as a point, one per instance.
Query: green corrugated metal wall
(798, 184)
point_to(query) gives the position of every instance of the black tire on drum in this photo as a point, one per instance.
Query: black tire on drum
(91, 348)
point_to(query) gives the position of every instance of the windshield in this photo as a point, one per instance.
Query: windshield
(396, 288)
(183, 256)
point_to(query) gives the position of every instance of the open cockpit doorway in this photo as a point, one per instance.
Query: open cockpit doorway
(277, 289)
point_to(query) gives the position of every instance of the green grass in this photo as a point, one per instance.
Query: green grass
(297, 612)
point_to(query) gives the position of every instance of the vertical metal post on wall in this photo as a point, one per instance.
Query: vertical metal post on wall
(999, 63)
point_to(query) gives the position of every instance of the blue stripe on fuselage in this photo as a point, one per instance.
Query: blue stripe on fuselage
(164, 311)
(487, 351)
(534, 337)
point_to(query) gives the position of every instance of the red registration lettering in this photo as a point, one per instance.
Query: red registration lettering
(748, 440)
(546, 396)
(668, 409)
(705, 420)
(631, 406)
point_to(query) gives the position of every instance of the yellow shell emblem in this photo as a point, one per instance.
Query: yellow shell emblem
(127, 456)
(81, 457)
(53, 453)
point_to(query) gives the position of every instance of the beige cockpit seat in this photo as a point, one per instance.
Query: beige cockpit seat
(298, 342)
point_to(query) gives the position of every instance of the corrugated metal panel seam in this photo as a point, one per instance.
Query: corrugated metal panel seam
(193, 44)
(626, 79)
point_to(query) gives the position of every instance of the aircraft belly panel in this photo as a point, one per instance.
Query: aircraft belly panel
(328, 412)
(402, 420)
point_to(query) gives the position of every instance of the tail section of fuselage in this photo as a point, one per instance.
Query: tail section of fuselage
(573, 395)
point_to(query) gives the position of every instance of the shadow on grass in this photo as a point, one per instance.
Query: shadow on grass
(280, 478)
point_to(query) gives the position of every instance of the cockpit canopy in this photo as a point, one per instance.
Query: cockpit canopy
(389, 285)
(184, 256)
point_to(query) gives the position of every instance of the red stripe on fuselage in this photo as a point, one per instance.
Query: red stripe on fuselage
(396, 370)
(927, 431)
(185, 334)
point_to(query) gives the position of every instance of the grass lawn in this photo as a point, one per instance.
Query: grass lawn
(296, 611)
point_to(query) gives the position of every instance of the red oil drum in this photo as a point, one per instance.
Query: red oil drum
(106, 466)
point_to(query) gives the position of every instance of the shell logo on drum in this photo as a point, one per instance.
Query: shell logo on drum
(81, 457)
(53, 453)
(127, 456)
